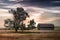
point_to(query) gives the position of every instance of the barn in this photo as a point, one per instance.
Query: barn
(45, 26)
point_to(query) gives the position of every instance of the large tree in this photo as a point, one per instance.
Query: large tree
(19, 16)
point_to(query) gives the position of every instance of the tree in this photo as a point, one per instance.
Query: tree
(32, 24)
(8, 23)
(19, 16)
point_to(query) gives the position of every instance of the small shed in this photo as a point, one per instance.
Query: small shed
(45, 26)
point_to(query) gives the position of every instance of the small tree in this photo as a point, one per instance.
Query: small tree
(8, 23)
(32, 24)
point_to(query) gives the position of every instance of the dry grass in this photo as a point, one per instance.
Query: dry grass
(29, 31)
(30, 35)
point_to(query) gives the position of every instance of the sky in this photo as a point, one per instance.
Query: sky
(41, 11)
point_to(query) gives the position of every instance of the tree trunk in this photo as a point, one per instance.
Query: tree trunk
(22, 29)
(16, 30)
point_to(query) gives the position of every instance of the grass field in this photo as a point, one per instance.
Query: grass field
(30, 35)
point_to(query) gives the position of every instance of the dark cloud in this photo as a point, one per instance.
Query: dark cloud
(4, 1)
(42, 3)
(40, 0)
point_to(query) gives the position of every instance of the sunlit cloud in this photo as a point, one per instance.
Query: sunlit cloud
(41, 15)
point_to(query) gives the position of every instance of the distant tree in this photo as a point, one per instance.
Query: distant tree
(32, 24)
(19, 16)
(8, 23)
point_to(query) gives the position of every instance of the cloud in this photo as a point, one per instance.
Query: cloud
(40, 15)
(39, 0)
(56, 22)
(50, 15)
(56, 1)
(16, 0)
(43, 15)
